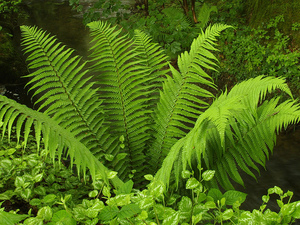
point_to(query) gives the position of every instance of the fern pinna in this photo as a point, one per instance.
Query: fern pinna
(136, 114)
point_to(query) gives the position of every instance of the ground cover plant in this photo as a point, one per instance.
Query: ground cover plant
(126, 118)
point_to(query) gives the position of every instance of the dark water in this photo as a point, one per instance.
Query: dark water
(283, 169)
(57, 18)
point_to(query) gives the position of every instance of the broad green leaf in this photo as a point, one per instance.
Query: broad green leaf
(143, 215)
(128, 211)
(186, 174)
(287, 209)
(93, 193)
(112, 174)
(146, 202)
(208, 175)
(63, 217)
(108, 213)
(185, 208)
(192, 183)
(233, 196)
(49, 198)
(35, 201)
(216, 194)
(296, 213)
(227, 214)
(10, 218)
(125, 188)
(45, 213)
(33, 221)
(173, 219)
(156, 188)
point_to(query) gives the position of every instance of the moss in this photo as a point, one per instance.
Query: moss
(260, 11)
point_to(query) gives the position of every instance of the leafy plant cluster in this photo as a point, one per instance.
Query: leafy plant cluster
(127, 117)
(249, 52)
(8, 7)
(32, 191)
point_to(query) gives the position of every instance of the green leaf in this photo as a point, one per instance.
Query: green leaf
(108, 213)
(146, 202)
(111, 174)
(109, 157)
(122, 139)
(148, 177)
(265, 198)
(49, 198)
(93, 193)
(287, 209)
(143, 215)
(63, 217)
(173, 219)
(19, 182)
(216, 194)
(33, 221)
(156, 188)
(38, 177)
(227, 214)
(128, 211)
(10, 218)
(233, 196)
(7, 195)
(125, 188)
(45, 213)
(210, 205)
(186, 174)
(192, 183)
(35, 201)
(208, 175)
(185, 208)
(296, 213)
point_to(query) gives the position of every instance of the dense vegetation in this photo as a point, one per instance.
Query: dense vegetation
(150, 142)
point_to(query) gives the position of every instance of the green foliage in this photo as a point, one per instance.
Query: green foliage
(7, 7)
(123, 124)
(93, 203)
(248, 52)
(136, 116)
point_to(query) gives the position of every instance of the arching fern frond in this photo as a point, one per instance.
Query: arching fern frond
(154, 59)
(55, 138)
(235, 132)
(63, 88)
(182, 99)
(124, 81)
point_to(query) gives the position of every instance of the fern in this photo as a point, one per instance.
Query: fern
(61, 85)
(181, 101)
(126, 86)
(139, 114)
(55, 138)
(234, 132)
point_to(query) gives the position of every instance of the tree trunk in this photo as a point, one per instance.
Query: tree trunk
(185, 7)
(146, 7)
(193, 11)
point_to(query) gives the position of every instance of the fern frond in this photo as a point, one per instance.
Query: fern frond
(123, 78)
(236, 131)
(154, 59)
(63, 88)
(182, 99)
(55, 138)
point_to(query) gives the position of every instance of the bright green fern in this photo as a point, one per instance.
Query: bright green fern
(128, 110)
